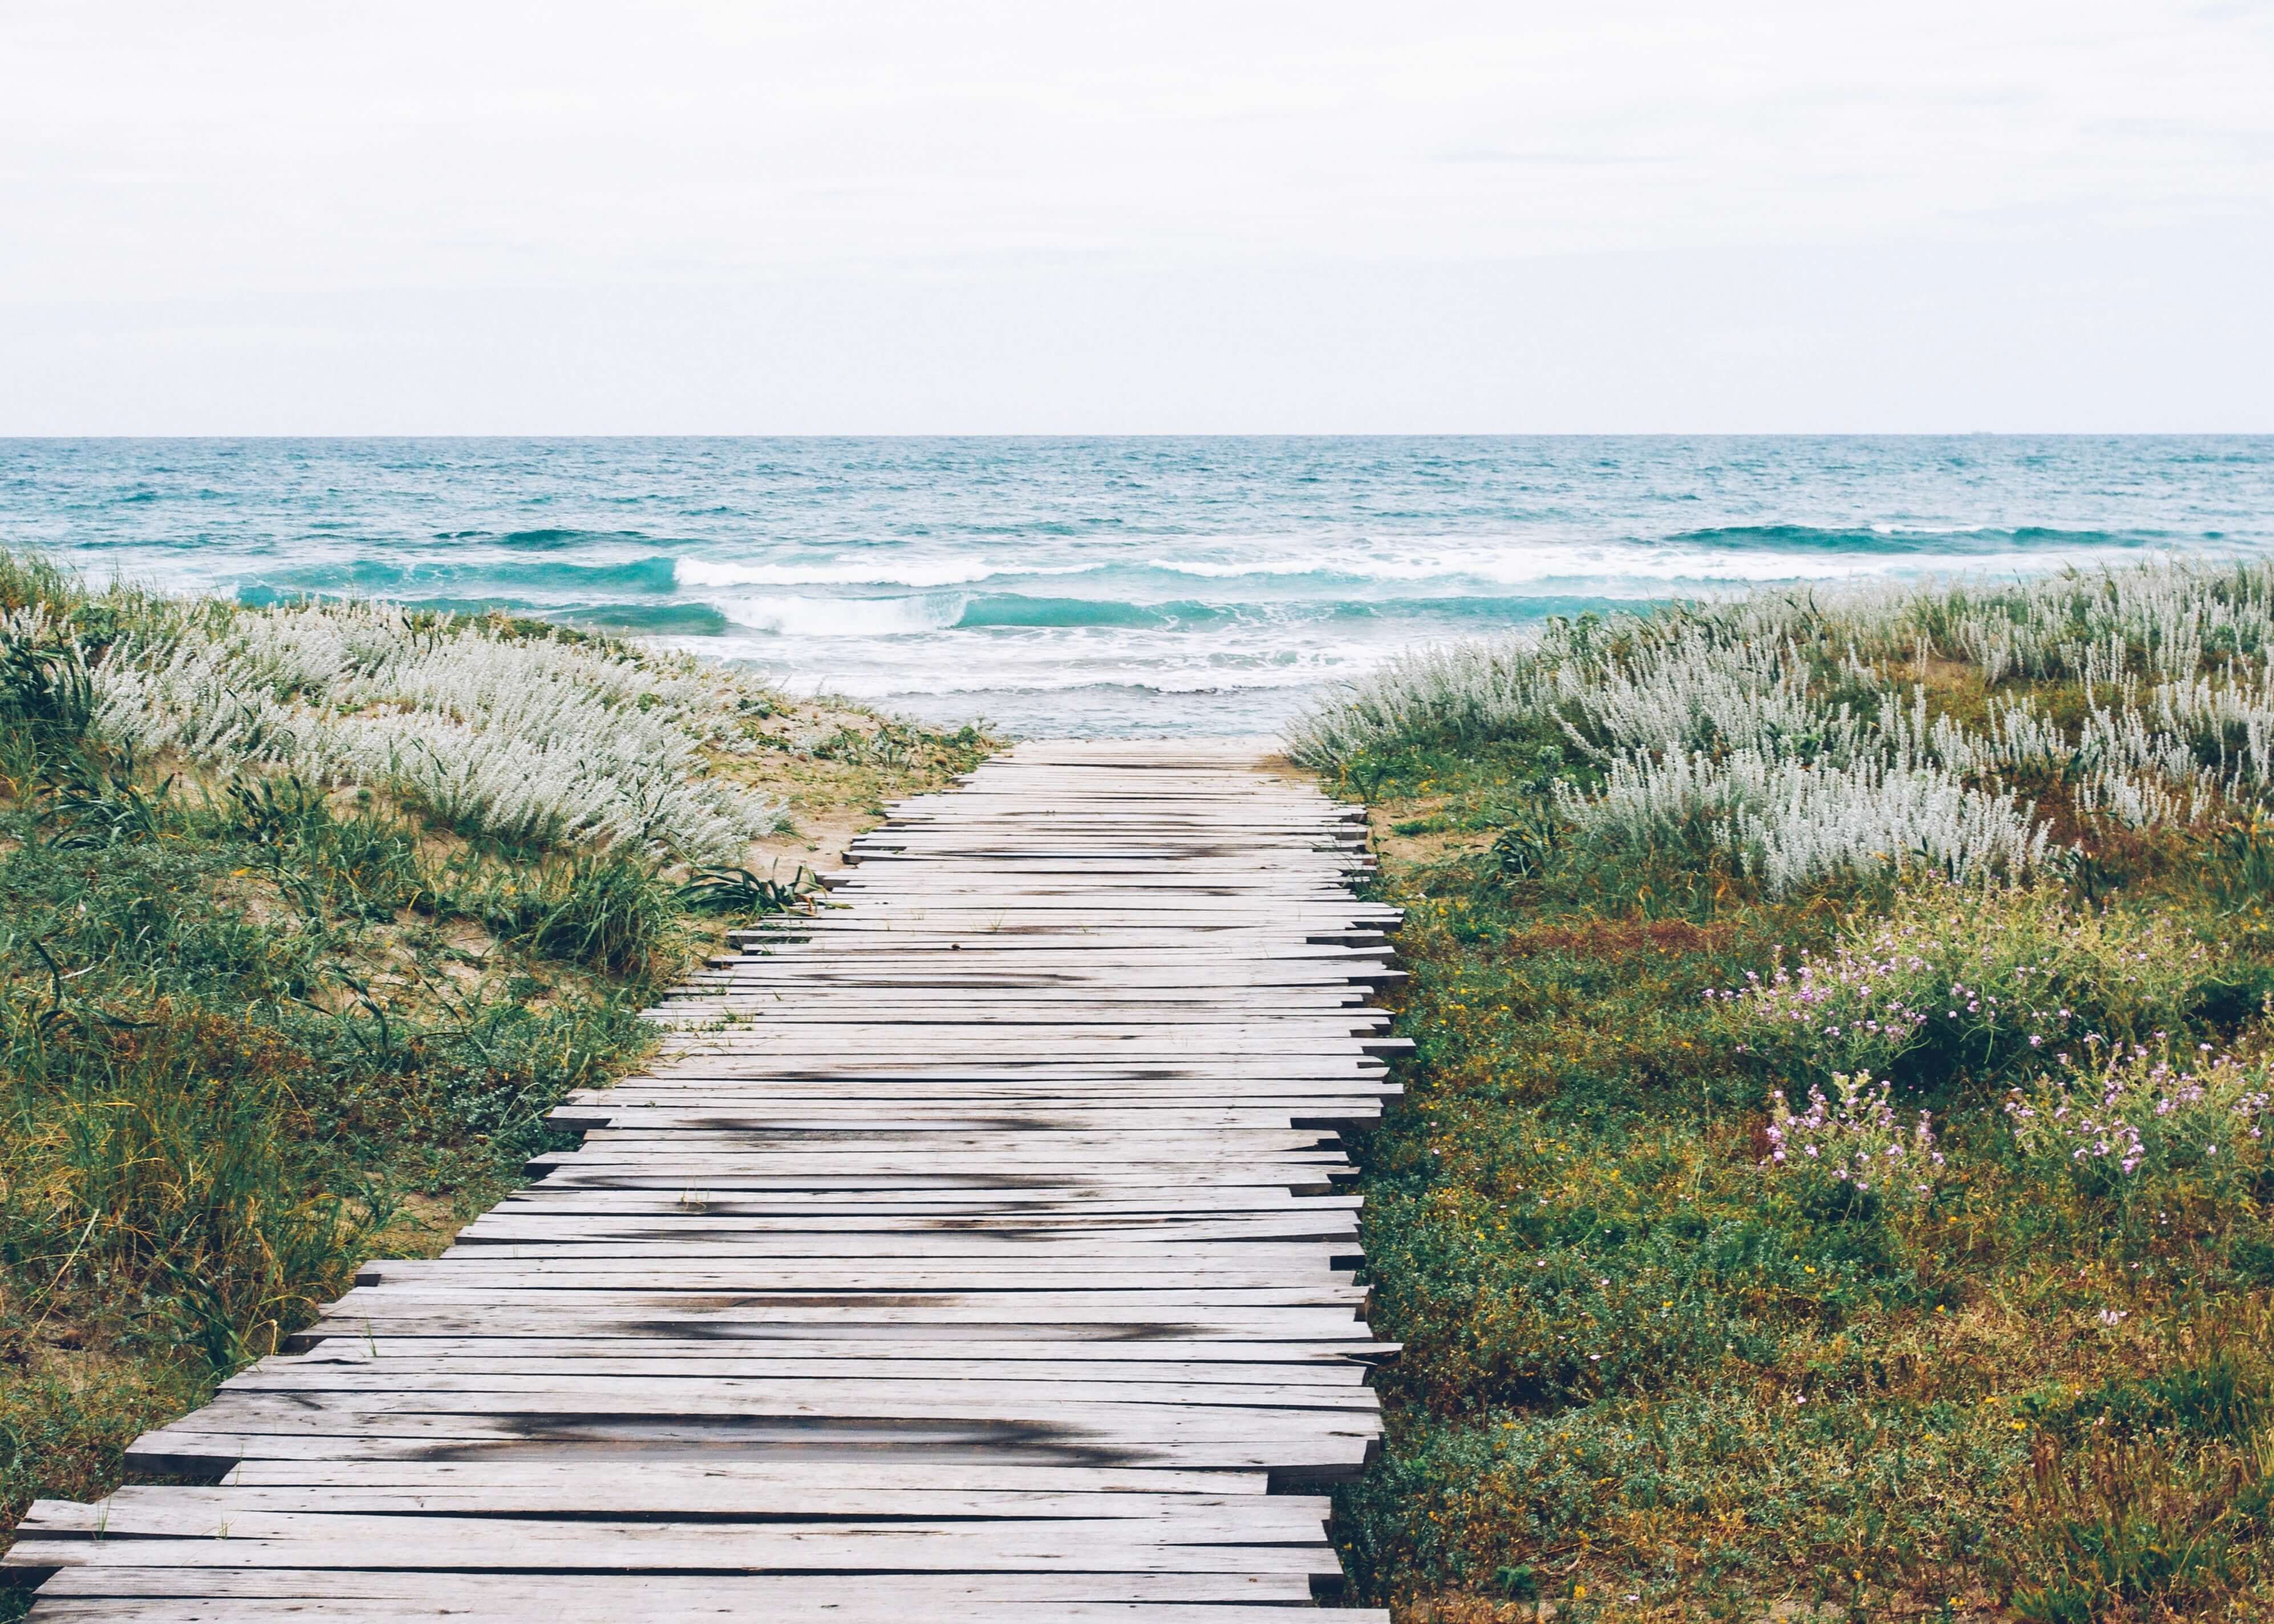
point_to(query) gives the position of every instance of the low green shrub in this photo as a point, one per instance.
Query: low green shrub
(46, 701)
(741, 892)
(609, 912)
(2132, 1527)
(1689, 1501)
(29, 581)
(362, 858)
(98, 806)
(163, 1145)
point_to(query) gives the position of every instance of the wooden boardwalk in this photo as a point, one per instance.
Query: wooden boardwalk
(972, 1251)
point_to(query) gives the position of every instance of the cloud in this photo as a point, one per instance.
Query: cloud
(251, 151)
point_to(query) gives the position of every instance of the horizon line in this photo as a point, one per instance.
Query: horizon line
(1161, 434)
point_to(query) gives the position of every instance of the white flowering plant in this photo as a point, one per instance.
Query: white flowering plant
(496, 728)
(1849, 1149)
(1816, 737)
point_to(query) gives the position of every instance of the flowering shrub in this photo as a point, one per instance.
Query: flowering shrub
(2140, 1113)
(1952, 980)
(1852, 1144)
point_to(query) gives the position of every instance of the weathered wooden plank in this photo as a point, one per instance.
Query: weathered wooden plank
(379, 1387)
(603, 1602)
(720, 1316)
(181, 1511)
(1331, 1362)
(946, 1250)
(957, 1205)
(869, 1474)
(455, 1544)
(610, 1599)
(880, 1304)
(341, 1364)
(1289, 1457)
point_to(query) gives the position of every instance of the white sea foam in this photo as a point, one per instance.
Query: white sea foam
(1163, 678)
(796, 616)
(1047, 666)
(699, 573)
(1302, 564)
(916, 573)
(1619, 569)
(1453, 560)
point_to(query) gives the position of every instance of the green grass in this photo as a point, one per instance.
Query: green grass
(253, 1030)
(232, 1041)
(1645, 1362)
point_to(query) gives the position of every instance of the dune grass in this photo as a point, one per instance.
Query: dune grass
(1815, 1204)
(267, 1005)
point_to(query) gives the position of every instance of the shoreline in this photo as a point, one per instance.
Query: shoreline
(1098, 585)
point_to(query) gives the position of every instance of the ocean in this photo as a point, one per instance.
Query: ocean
(1104, 585)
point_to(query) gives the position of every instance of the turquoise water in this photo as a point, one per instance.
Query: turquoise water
(1102, 585)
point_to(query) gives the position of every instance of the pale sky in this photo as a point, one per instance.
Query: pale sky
(1079, 216)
